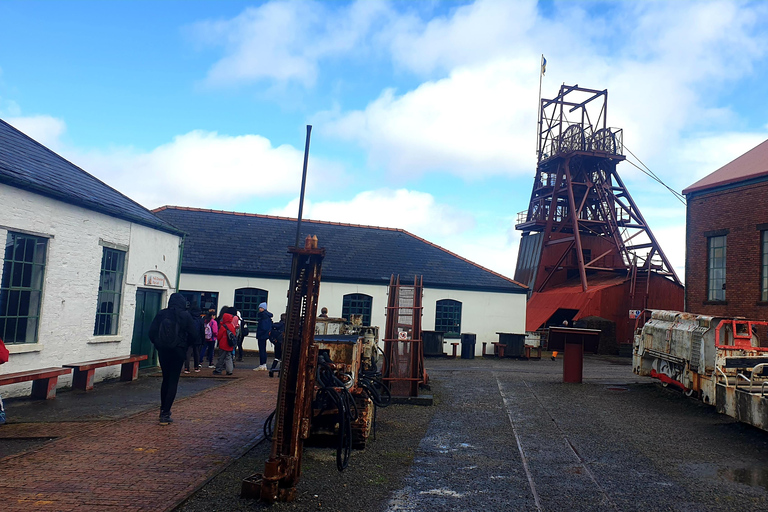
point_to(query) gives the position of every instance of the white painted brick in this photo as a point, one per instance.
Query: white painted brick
(68, 310)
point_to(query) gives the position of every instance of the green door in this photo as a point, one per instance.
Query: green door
(147, 306)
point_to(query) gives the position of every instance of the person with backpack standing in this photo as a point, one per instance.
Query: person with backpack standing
(193, 351)
(276, 337)
(211, 333)
(172, 331)
(227, 342)
(263, 328)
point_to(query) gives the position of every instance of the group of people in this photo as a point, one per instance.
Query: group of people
(183, 334)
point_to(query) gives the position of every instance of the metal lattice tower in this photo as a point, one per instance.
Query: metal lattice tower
(581, 219)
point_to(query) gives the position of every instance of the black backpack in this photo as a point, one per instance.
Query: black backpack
(168, 333)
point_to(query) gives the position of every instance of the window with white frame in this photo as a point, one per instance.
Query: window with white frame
(716, 268)
(110, 292)
(21, 288)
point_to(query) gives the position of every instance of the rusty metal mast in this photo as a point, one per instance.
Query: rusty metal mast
(581, 218)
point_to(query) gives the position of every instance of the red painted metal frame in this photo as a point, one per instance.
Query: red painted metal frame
(739, 342)
(404, 369)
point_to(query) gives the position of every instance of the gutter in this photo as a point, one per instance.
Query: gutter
(178, 268)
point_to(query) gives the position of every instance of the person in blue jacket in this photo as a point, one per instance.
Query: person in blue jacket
(263, 328)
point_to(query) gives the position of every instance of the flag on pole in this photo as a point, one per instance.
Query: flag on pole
(543, 65)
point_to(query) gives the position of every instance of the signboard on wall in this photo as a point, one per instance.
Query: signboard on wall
(634, 313)
(154, 280)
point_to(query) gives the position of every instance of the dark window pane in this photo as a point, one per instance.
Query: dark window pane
(110, 292)
(357, 304)
(247, 302)
(448, 317)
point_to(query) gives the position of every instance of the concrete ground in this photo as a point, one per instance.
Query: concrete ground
(502, 435)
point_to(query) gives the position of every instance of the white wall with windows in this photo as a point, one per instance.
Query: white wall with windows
(482, 313)
(69, 281)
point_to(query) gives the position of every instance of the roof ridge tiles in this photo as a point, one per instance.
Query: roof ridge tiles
(274, 217)
(334, 223)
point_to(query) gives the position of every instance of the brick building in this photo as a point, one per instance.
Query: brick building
(726, 262)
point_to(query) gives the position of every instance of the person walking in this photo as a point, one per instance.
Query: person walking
(211, 332)
(172, 331)
(227, 342)
(263, 329)
(276, 337)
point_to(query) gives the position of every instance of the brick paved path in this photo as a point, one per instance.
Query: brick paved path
(134, 464)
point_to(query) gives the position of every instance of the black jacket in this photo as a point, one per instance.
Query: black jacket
(177, 307)
(278, 332)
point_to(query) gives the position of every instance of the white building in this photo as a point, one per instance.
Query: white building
(238, 259)
(78, 257)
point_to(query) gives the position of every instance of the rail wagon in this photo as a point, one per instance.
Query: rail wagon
(718, 360)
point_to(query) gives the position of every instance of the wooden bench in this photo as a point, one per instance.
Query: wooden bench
(529, 349)
(498, 348)
(455, 345)
(43, 381)
(83, 378)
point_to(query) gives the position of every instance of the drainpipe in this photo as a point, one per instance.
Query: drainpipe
(178, 269)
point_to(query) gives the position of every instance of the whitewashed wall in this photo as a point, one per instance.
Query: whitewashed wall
(68, 311)
(483, 313)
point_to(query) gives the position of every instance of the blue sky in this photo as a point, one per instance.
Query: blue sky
(423, 113)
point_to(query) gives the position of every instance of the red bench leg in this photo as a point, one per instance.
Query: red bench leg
(129, 371)
(501, 350)
(83, 380)
(484, 344)
(44, 389)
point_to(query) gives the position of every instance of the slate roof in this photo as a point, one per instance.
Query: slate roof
(242, 244)
(27, 164)
(751, 165)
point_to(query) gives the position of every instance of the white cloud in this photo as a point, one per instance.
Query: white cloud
(663, 69)
(477, 122)
(46, 130)
(198, 168)
(205, 169)
(284, 41)
(414, 211)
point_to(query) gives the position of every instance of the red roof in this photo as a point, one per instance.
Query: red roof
(542, 305)
(752, 164)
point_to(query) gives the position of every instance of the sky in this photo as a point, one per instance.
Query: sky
(423, 113)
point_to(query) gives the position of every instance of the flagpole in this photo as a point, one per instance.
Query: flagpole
(538, 107)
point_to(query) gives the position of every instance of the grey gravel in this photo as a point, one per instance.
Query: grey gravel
(614, 442)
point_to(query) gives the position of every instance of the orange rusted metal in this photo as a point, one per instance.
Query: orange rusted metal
(297, 380)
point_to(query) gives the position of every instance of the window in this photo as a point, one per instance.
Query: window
(110, 291)
(21, 288)
(247, 302)
(206, 301)
(716, 266)
(764, 280)
(357, 304)
(448, 317)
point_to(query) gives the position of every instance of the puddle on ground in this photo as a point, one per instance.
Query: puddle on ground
(617, 388)
(755, 477)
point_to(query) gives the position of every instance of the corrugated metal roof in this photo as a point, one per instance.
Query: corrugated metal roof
(752, 164)
(542, 305)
